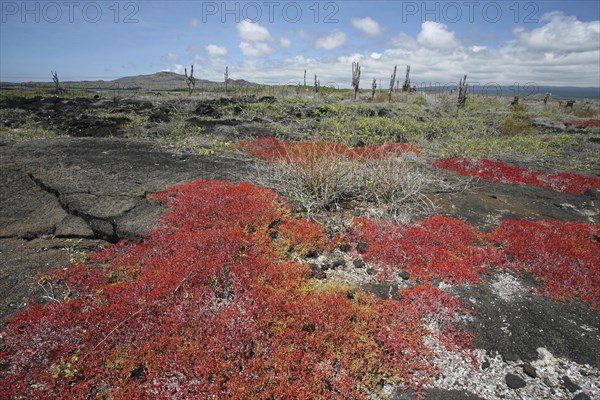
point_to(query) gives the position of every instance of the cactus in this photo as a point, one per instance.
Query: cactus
(392, 83)
(373, 88)
(462, 92)
(406, 85)
(190, 80)
(355, 78)
(226, 78)
(58, 89)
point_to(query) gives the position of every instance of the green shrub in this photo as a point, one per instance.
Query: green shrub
(516, 124)
(421, 101)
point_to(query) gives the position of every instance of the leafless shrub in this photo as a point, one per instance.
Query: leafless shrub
(391, 187)
(396, 186)
(317, 184)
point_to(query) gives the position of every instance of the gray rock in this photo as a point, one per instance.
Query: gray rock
(511, 358)
(548, 123)
(99, 206)
(358, 263)
(530, 370)
(139, 220)
(103, 229)
(404, 275)
(582, 396)
(317, 272)
(73, 226)
(25, 206)
(570, 385)
(514, 381)
(361, 246)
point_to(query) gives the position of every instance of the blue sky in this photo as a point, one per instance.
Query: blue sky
(273, 42)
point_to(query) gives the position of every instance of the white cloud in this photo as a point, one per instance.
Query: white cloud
(256, 49)
(561, 33)
(178, 68)
(215, 51)
(303, 34)
(435, 35)
(368, 26)
(170, 57)
(252, 32)
(437, 57)
(477, 49)
(285, 43)
(331, 41)
(404, 41)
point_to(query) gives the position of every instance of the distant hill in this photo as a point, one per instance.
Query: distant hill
(173, 81)
(156, 81)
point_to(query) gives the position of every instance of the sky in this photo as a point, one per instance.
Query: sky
(555, 43)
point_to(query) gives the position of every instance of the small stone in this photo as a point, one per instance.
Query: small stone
(404, 275)
(511, 358)
(547, 382)
(370, 271)
(582, 396)
(345, 247)
(317, 272)
(485, 365)
(361, 246)
(358, 263)
(514, 382)
(570, 385)
(338, 262)
(28, 236)
(530, 370)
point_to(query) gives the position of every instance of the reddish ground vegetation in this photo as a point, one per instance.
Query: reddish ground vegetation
(496, 171)
(272, 149)
(438, 248)
(205, 307)
(564, 255)
(567, 182)
(587, 123)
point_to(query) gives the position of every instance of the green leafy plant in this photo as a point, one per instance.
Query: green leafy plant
(76, 255)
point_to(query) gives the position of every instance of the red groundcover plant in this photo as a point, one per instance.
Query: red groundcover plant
(206, 307)
(497, 171)
(271, 149)
(585, 123)
(564, 255)
(438, 248)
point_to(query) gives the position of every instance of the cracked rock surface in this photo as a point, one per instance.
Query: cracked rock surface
(94, 189)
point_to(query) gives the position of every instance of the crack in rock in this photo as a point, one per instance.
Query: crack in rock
(102, 228)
